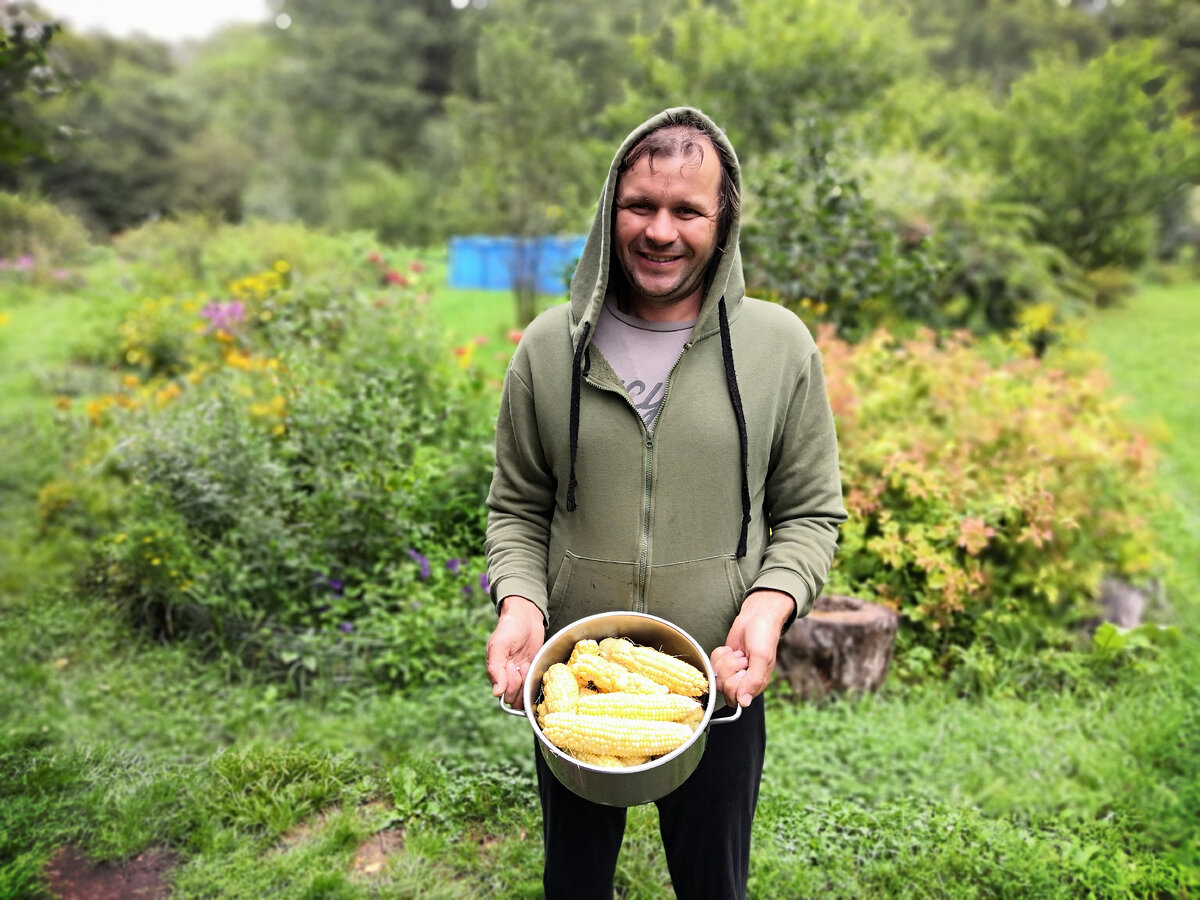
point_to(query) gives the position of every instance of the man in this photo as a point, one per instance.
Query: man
(664, 445)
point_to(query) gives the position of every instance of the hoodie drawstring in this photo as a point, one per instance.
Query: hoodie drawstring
(576, 382)
(735, 397)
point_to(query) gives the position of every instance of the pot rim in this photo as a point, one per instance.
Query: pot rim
(532, 687)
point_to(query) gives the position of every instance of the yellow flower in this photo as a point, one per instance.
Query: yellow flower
(167, 394)
(5, 318)
(281, 266)
(238, 360)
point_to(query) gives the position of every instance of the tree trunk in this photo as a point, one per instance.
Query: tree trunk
(844, 644)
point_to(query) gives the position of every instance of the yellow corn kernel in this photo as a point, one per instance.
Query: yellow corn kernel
(609, 762)
(695, 717)
(609, 676)
(583, 648)
(653, 707)
(560, 688)
(679, 677)
(611, 736)
(596, 759)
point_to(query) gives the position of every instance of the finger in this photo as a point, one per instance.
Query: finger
(754, 680)
(496, 672)
(516, 682)
(732, 684)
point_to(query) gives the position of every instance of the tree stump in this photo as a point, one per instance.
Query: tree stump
(844, 644)
(1123, 603)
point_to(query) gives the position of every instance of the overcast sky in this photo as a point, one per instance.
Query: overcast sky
(168, 20)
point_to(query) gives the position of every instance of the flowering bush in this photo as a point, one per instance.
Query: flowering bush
(303, 468)
(988, 491)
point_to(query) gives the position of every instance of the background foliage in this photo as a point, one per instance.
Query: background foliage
(247, 435)
(1068, 126)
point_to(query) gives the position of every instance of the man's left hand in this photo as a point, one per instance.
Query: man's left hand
(754, 637)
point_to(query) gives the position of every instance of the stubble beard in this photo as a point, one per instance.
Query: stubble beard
(687, 285)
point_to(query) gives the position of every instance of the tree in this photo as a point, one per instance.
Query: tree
(760, 66)
(23, 71)
(364, 76)
(1097, 150)
(530, 167)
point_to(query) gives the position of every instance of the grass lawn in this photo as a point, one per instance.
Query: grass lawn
(118, 745)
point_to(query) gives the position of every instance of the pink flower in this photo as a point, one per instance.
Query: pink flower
(515, 335)
(394, 277)
(375, 257)
(973, 535)
(416, 266)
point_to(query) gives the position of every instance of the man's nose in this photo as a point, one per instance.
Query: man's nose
(661, 228)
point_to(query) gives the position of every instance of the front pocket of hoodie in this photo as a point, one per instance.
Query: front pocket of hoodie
(584, 587)
(701, 596)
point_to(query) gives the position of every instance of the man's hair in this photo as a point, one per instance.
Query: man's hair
(683, 135)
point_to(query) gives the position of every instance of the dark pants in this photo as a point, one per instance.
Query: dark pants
(705, 822)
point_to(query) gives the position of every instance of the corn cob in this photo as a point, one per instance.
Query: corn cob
(609, 762)
(596, 759)
(652, 707)
(679, 677)
(560, 688)
(609, 676)
(583, 648)
(610, 736)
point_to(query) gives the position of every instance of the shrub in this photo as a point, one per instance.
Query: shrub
(910, 241)
(991, 268)
(195, 252)
(300, 478)
(1098, 150)
(39, 232)
(988, 491)
(815, 243)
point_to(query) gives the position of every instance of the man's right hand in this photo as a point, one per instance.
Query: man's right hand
(514, 643)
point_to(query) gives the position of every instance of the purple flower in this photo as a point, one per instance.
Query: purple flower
(484, 584)
(223, 316)
(468, 591)
(453, 565)
(422, 562)
(335, 585)
(346, 627)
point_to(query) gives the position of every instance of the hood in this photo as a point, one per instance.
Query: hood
(721, 304)
(591, 279)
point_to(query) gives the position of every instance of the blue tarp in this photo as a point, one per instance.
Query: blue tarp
(481, 261)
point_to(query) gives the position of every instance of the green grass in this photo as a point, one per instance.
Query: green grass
(118, 744)
(1151, 345)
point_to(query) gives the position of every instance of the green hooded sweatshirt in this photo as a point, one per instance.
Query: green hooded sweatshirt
(737, 488)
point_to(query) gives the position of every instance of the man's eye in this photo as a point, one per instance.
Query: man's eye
(687, 213)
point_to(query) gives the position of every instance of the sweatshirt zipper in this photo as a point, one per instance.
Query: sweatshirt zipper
(644, 554)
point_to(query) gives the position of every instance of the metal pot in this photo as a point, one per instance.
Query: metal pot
(636, 784)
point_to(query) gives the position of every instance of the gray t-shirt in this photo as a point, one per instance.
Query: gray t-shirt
(641, 353)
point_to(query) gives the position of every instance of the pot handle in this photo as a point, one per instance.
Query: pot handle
(510, 710)
(713, 720)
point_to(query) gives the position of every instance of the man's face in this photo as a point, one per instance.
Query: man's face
(665, 232)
